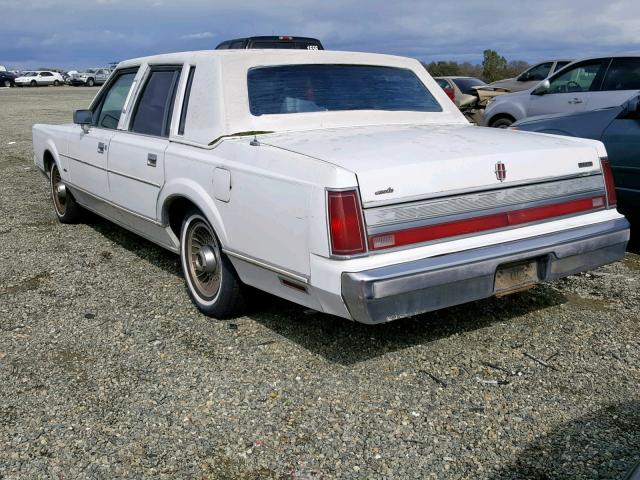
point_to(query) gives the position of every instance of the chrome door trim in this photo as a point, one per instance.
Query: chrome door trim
(83, 162)
(115, 205)
(131, 177)
(268, 266)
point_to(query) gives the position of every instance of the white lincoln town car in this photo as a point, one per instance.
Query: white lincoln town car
(345, 182)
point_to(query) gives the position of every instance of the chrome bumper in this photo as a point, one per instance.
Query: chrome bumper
(396, 291)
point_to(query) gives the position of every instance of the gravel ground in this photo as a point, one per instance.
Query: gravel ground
(107, 371)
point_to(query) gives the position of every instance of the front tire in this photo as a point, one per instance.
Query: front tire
(6, 83)
(212, 283)
(56, 83)
(66, 208)
(502, 123)
(33, 83)
(90, 82)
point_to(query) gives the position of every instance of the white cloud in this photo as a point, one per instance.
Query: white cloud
(197, 36)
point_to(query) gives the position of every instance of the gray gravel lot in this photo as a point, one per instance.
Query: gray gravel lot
(107, 371)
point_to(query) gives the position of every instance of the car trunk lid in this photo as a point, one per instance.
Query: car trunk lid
(399, 164)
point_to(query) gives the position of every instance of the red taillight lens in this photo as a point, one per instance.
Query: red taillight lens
(482, 224)
(345, 223)
(450, 93)
(608, 182)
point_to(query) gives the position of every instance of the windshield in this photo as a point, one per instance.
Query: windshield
(322, 88)
(465, 84)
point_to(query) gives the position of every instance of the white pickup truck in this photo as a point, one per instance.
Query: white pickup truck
(345, 182)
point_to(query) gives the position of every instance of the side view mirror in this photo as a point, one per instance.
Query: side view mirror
(542, 88)
(84, 118)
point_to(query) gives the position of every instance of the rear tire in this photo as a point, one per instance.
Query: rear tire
(66, 208)
(6, 83)
(211, 281)
(502, 122)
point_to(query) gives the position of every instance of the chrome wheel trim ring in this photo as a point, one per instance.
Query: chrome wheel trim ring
(203, 260)
(58, 192)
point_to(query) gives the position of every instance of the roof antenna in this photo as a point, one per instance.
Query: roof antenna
(254, 142)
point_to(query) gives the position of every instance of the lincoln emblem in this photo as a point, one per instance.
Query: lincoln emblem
(501, 171)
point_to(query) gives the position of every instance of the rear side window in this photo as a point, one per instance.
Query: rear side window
(623, 74)
(443, 83)
(110, 109)
(152, 115)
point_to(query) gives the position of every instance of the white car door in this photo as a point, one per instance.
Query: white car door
(136, 155)
(44, 79)
(570, 90)
(621, 82)
(88, 152)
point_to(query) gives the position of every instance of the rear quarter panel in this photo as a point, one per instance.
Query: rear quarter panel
(52, 138)
(275, 211)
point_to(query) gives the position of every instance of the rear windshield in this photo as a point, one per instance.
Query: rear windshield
(323, 88)
(465, 84)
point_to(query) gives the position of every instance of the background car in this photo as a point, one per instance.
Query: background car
(460, 89)
(282, 41)
(587, 84)
(7, 79)
(618, 128)
(39, 79)
(531, 76)
(89, 77)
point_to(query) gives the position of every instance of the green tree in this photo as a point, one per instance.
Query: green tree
(443, 69)
(493, 66)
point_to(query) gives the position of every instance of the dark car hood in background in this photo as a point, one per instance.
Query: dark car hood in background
(588, 124)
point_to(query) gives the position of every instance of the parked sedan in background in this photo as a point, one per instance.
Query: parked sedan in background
(460, 89)
(532, 76)
(7, 79)
(39, 79)
(588, 84)
(618, 128)
(89, 77)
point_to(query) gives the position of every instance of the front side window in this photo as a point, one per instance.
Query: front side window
(537, 72)
(152, 115)
(623, 74)
(110, 109)
(326, 87)
(580, 78)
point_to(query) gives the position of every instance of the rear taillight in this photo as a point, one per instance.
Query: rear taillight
(608, 182)
(484, 223)
(346, 229)
(450, 93)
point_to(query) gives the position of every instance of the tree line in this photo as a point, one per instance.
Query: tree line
(494, 67)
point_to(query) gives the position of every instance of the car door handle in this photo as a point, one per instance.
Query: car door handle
(101, 147)
(575, 100)
(152, 159)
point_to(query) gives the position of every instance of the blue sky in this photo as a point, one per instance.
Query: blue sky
(77, 34)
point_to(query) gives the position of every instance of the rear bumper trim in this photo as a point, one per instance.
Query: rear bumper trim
(387, 293)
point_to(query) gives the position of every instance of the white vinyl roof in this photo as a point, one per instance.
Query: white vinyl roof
(219, 103)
